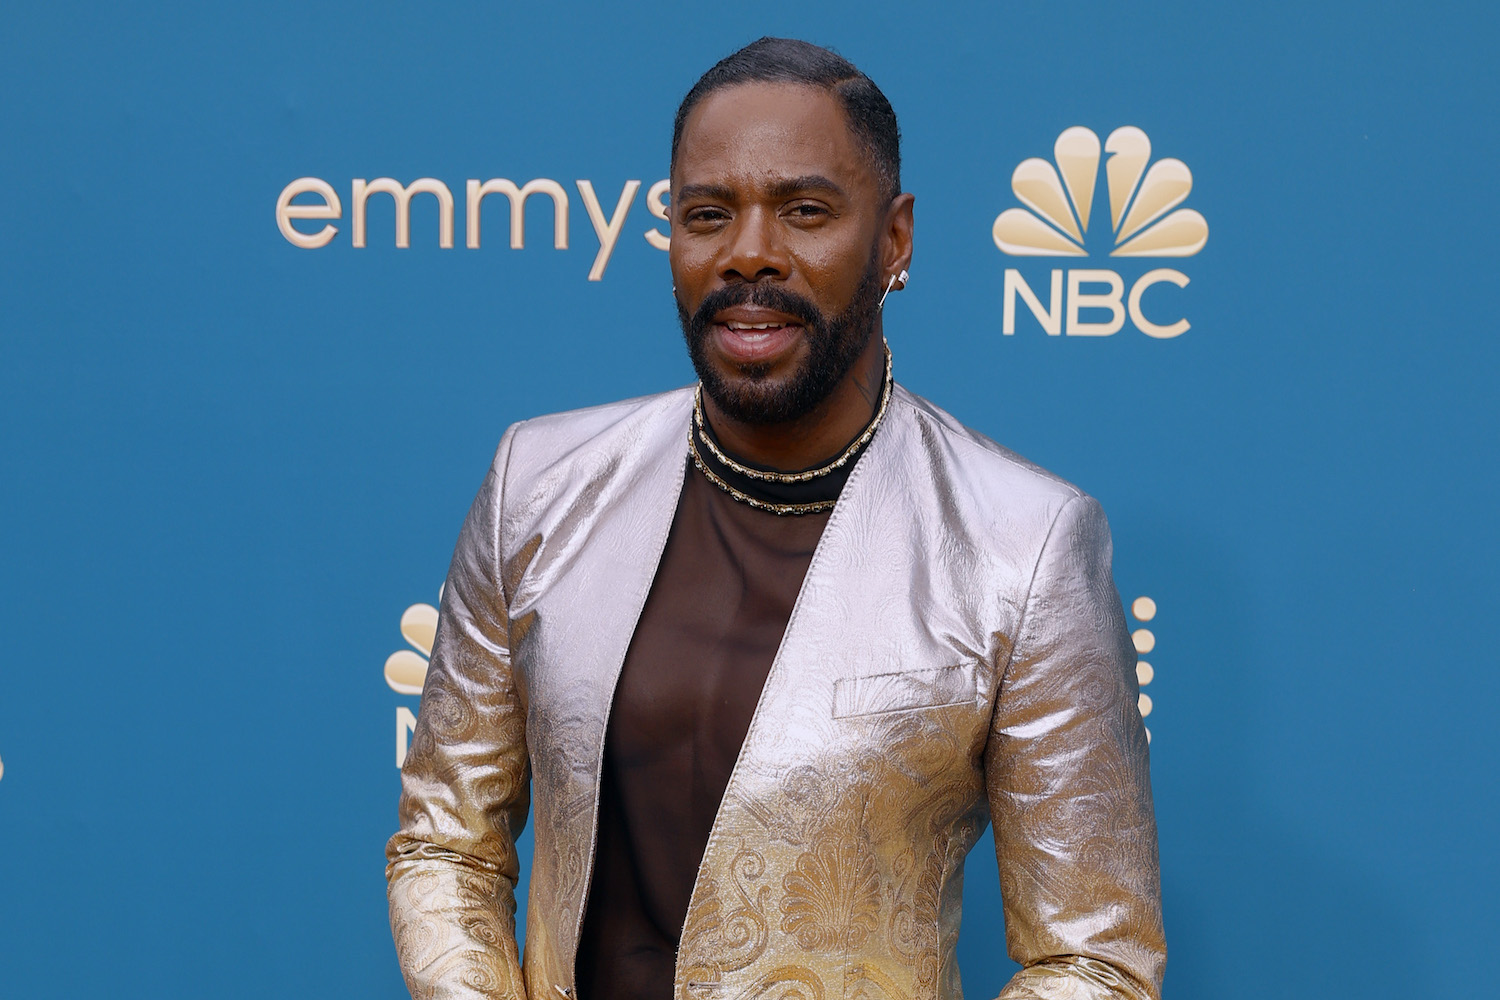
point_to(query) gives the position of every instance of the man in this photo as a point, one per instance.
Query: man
(772, 654)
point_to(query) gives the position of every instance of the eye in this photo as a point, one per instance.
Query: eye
(704, 215)
(807, 210)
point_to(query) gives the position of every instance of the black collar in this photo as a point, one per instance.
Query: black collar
(818, 489)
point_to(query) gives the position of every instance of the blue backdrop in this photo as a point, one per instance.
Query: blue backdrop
(230, 463)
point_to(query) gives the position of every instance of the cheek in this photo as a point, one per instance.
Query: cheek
(834, 268)
(690, 262)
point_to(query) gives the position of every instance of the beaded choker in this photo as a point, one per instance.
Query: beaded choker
(810, 491)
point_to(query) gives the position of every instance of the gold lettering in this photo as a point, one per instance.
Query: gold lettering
(475, 195)
(656, 203)
(1109, 300)
(1148, 279)
(406, 724)
(286, 212)
(608, 232)
(1050, 318)
(402, 196)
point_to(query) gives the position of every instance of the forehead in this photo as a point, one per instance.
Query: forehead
(753, 132)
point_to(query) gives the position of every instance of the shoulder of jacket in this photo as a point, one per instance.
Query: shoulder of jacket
(983, 463)
(588, 421)
(554, 439)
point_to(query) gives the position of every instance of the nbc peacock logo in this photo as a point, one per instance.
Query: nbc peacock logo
(406, 669)
(1145, 221)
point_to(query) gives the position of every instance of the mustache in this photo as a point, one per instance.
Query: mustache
(764, 294)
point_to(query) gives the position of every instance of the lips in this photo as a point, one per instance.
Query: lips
(744, 346)
(748, 334)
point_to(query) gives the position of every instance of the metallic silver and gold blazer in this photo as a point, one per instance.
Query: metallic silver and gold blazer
(957, 656)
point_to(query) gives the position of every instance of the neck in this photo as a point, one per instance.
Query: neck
(818, 436)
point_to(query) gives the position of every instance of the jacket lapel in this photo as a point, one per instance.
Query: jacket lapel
(592, 559)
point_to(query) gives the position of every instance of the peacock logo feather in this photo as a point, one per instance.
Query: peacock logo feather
(1059, 200)
(406, 669)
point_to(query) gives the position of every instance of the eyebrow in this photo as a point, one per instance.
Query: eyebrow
(713, 192)
(807, 182)
(779, 189)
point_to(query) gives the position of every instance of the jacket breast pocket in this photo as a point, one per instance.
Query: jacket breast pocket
(903, 691)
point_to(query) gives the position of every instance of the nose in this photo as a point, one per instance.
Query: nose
(754, 251)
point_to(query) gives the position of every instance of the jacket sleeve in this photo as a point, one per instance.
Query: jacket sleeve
(1068, 779)
(465, 786)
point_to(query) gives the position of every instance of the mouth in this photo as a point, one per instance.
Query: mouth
(750, 335)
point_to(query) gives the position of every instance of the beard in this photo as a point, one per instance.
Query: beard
(834, 344)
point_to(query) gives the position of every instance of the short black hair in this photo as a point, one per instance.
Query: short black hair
(870, 116)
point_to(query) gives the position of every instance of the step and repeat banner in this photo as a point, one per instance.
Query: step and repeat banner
(275, 277)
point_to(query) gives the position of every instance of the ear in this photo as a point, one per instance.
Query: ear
(895, 238)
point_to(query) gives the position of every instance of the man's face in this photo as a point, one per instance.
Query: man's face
(776, 251)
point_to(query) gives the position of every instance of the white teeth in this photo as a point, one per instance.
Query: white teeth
(753, 326)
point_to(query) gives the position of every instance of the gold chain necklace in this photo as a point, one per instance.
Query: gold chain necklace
(813, 507)
(806, 475)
